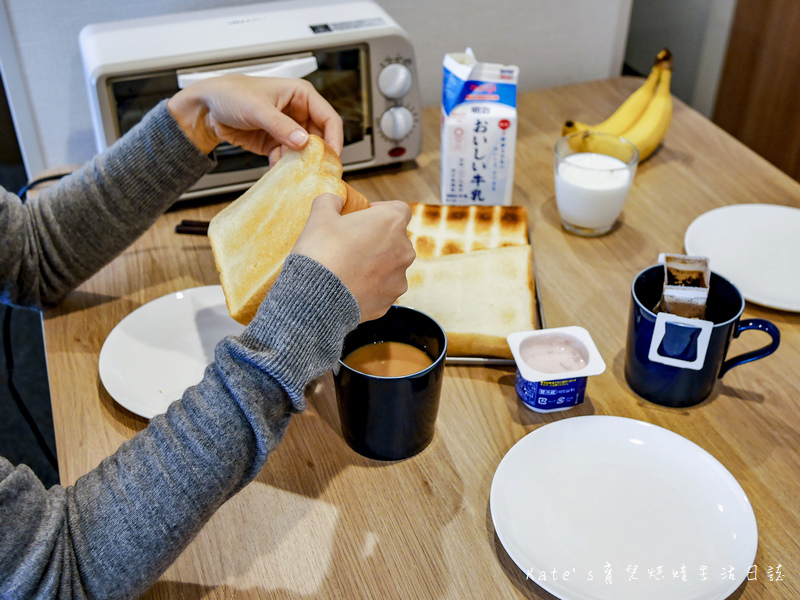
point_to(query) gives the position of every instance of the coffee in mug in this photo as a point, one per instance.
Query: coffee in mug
(388, 359)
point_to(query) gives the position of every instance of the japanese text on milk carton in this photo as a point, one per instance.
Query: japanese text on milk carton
(479, 130)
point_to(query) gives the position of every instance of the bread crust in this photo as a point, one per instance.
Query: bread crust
(353, 200)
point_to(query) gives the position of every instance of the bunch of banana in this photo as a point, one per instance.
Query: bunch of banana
(643, 118)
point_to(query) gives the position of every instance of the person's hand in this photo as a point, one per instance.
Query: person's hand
(368, 250)
(261, 114)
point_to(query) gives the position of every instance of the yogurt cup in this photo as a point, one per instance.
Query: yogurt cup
(553, 366)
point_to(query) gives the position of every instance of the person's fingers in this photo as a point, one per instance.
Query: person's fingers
(275, 155)
(284, 130)
(396, 205)
(256, 113)
(326, 205)
(324, 208)
(322, 118)
(332, 131)
(299, 109)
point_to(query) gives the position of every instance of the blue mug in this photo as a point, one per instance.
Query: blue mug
(674, 361)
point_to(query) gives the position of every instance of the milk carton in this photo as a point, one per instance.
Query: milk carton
(479, 130)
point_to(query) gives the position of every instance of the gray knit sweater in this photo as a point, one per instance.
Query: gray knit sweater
(120, 526)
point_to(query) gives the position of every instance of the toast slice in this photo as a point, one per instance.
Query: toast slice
(473, 273)
(439, 230)
(477, 297)
(252, 236)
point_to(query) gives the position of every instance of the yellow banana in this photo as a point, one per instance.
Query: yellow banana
(629, 111)
(601, 142)
(648, 132)
(644, 116)
(633, 108)
(573, 126)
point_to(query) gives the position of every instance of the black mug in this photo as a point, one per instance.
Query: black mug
(391, 418)
(674, 361)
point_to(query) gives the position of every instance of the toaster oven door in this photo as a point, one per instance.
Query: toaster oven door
(341, 77)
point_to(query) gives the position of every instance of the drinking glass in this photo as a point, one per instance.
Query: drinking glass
(593, 172)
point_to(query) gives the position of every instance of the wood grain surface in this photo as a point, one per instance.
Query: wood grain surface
(322, 522)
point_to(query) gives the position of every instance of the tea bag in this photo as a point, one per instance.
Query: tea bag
(686, 284)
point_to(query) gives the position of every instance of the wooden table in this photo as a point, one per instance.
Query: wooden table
(322, 522)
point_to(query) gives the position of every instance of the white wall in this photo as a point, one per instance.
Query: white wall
(553, 42)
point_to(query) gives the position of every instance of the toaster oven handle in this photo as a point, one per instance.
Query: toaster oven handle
(298, 67)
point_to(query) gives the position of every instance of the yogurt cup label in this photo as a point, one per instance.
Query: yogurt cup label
(550, 396)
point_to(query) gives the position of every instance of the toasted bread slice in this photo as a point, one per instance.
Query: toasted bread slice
(252, 237)
(477, 297)
(439, 230)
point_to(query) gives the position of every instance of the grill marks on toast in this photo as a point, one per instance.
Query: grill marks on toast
(473, 274)
(440, 230)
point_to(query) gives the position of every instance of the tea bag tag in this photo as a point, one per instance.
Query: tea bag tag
(660, 334)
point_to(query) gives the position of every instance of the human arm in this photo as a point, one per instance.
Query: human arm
(116, 530)
(119, 527)
(68, 232)
(65, 234)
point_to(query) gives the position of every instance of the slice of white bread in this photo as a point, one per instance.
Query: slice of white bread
(478, 297)
(252, 236)
(492, 293)
(438, 230)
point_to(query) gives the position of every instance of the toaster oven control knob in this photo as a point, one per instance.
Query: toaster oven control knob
(397, 122)
(394, 81)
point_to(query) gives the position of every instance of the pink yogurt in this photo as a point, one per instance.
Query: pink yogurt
(553, 366)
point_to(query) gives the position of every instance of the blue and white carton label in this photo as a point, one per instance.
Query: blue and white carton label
(479, 130)
(550, 396)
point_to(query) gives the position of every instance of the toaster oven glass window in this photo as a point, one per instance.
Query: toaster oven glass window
(340, 78)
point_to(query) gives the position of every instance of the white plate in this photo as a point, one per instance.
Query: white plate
(599, 497)
(163, 347)
(756, 247)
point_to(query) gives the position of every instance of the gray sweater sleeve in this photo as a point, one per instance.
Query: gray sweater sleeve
(120, 526)
(55, 241)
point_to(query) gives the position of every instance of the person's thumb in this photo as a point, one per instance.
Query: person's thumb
(326, 206)
(315, 240)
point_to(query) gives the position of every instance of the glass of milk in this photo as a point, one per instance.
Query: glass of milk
(593, 173)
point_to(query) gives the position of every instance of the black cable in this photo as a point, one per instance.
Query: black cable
(23, 409)
(31, 184)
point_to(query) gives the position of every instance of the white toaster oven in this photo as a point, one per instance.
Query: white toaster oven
(354, 54)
